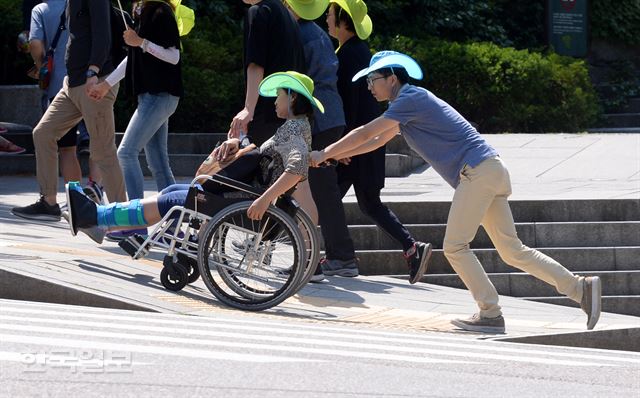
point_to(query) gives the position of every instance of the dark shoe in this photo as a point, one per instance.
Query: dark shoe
(95, 192)
(40, 210)
(418, 261)
(345, 268)
(117, 236)
(318, 276)
(83, 148)
(480, 324)
(83, 212)
(591, 302)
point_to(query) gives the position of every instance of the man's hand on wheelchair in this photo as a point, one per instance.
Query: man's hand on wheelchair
(258, 208)
(226, 150)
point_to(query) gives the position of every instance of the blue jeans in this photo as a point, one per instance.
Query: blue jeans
(148, 129)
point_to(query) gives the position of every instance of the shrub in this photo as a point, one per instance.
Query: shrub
(13, 65)
(504, 22)
(616, 20)
(212, 76)
(503, 89)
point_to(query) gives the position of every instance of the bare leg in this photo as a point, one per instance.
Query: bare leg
(302, 194)
(69, 165)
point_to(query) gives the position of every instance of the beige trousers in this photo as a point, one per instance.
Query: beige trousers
(70, 106)
(481, 199)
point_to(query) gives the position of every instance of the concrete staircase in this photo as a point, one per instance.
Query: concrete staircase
(589, 237)
(626, 120)
(187, 151)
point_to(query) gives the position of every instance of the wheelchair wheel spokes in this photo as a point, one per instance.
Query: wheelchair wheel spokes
(259, 272)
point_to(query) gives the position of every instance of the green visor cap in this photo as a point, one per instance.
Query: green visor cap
(298, 82)
(308, 9)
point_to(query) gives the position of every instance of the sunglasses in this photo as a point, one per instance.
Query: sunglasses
(370, 80)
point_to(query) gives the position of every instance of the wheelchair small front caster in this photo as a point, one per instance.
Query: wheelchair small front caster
(191, 265)
(174, 276)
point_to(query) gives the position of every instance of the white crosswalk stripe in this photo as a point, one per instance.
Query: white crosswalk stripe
(247, 339)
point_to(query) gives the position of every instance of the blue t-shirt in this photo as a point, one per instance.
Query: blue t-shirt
(322, 68)
(45, 19)
(438, 133)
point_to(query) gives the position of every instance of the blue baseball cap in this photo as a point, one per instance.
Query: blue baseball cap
(391, 59)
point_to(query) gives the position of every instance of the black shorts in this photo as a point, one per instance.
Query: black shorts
(69, 139)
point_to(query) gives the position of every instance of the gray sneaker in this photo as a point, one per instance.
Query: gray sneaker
(345, 268)
(591, 302)
(480, 324)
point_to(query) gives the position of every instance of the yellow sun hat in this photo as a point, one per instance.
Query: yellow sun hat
(185, 17)
(308, 9)
(298, 82)
(357, 10)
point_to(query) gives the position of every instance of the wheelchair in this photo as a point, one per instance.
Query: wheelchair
(246, 264)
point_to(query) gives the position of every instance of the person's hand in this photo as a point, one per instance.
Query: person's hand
(258, 208)
(240, 123)
(131, 38)
(89, 85)
(99, 90)
(316, 158)
(226, 150)
(344, 161)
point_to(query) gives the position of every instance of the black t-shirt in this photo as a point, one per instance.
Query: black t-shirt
(360, 107)
(146, 73)
(271, 40)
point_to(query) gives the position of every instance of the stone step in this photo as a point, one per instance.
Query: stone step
(399, 145)
(628, 305)
(180, 143)
(621, 120)
(390, 262)
(184, 165)
(570, 234)
(523, 211)
(632, 106)
(614, 283)
(20, 104)
(183, 143)
(189, 143)
(614, 130)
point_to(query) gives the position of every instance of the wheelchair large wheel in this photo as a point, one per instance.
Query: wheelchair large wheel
(309, 233)
(266, 272)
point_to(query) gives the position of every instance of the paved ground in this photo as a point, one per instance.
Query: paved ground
(542, 167)
(57, 350)
(546, 166)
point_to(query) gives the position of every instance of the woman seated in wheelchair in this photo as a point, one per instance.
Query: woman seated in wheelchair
(279, 166)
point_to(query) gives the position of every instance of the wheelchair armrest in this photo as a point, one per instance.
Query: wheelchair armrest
(230, 182)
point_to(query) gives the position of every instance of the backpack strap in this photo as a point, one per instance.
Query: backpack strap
(61, 26)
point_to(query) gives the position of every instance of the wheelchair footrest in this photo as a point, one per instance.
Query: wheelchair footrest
(132, 244)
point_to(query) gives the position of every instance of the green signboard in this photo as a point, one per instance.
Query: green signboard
(567, 26)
